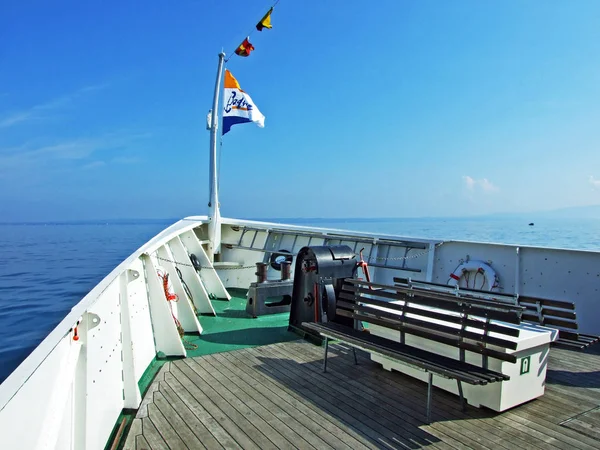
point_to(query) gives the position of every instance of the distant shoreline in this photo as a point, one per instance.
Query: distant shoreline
(526, 219)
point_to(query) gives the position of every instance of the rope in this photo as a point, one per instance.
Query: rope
(186, 289)
(173, 298)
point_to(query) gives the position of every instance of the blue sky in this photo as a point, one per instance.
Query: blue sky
(375, 109)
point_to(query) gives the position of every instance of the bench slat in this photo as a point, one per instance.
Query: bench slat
(444, 339)
(568, 335)
(426, 325)
(569, 344)
(494, 304)
(465, 292)
(532, 317)
(453, 305)
(549, 312)
(444, 315)
(560, 323)
(441, 365)
(547, 302)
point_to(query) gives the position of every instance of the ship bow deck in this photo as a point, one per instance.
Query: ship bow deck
(276, 396)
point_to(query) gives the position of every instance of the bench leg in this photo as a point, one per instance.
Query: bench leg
(325, 356)
(354, 351)
(430, 384)
(462, 398)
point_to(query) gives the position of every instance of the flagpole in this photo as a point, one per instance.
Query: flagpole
(214, 224)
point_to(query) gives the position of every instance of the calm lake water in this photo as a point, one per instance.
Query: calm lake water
(45, 269)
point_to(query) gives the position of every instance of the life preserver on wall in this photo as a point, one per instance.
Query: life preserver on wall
(278, 257)
(475, 270)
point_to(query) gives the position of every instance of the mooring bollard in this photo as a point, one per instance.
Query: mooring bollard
(261, 272)
(286, 270)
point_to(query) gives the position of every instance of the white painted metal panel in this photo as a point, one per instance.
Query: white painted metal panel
(500, 257)
(65, 437)
(139, 321)
(201, 299)
(21, 421)
(242, 277)
(183, 308)
(557, 274)
(565, 275)
(166, 337)
(104, 368)
(208, 275)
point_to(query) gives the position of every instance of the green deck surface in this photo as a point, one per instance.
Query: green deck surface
(231, 329)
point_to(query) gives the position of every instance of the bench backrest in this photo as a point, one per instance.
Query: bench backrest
(553, 314)
(441, 318)
(556, 314)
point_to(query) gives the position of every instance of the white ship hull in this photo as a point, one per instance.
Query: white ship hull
(69, 392)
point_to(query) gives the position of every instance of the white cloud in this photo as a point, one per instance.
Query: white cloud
(483, 184)
(469, 182)
(126, 160)
(94, 165)
(594, 182)
(15, 118)
(26, 156)
(38, 111)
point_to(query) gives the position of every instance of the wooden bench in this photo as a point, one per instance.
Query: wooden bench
(556, 314)
(441, 318)
(560, 316)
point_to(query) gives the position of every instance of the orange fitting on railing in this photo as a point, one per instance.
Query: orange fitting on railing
(75, 337)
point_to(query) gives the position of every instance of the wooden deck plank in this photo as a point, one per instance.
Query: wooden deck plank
(404, 411)
(141, 443)
(134, 430)
(395, 395)
(222, 417)
(446, 406)
(587, 423)
(143, 410)
(542, 424)
(363, 411)
(177, 423)
(547, 421)
(165, 429)
(555, 432)
(242, 383)
(212, 425)
(319, 398)
(277, 431)
(152, 436)
(308, 403)
(277, 396)
(249, 422)
(326, 424)
(192, 421)
(539, 421)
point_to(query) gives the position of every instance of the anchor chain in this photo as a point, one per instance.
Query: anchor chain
(253, 266)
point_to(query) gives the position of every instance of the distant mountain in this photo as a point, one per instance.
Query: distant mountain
(572, 212)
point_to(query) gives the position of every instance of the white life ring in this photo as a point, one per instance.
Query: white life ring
(489, 279)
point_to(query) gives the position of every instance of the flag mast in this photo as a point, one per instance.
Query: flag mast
(214, 224)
